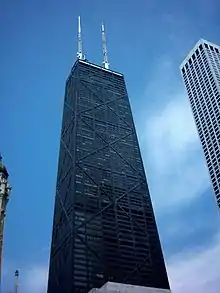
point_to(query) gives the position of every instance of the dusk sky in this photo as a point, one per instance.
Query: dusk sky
(146, 40)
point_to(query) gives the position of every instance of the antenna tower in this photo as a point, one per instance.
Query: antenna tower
(79, 40)
(104, 49)
(16, 281)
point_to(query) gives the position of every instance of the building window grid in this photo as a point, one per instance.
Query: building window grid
(214, 132)
(209, 94)
(214, 62)
(213, 95)
(199, 115)
(197, 102)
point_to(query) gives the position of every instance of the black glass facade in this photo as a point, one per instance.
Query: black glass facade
(104, 227)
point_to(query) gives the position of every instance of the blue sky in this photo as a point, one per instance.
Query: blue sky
(147, 40)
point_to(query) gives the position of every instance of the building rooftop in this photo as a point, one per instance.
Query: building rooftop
(201, 41)
(99, 67)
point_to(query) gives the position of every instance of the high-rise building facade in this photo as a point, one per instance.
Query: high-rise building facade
(104, 228)
(201, 75)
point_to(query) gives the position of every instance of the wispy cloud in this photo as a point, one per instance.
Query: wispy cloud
(171, 131)
(173, 152)
(35, 279)
(197, 270)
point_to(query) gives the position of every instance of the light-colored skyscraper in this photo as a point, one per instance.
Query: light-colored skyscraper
(201, 75)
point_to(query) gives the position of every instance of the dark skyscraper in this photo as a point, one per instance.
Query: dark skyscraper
(104, 227)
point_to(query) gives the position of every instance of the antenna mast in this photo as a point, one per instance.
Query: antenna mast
(79, 40)
(16, 281)
(104, 49)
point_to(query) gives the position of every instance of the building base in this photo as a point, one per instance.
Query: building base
(111, 287)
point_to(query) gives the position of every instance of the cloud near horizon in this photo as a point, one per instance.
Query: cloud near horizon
(35, 279)
(32, 278)
(189, 271)
(196, 270)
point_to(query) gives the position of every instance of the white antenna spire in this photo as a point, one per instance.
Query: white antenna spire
(79, 52)
(104, 49)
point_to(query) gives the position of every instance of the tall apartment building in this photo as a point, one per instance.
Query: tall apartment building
(104, 227)
(201, 75)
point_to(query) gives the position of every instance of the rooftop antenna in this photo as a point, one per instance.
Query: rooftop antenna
(79, 40)
(16, 281)
(104, 49)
